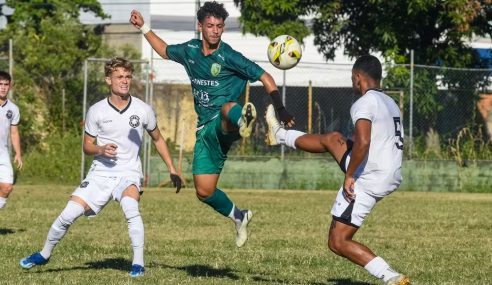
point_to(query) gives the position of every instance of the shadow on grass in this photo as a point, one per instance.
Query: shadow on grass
(197, 270)
(329, 282)
(6, 231)
(109, 263)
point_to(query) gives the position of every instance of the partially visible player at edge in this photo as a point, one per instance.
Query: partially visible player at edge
(114, 129)
(218, 76)
(372, 164)
(9, 120)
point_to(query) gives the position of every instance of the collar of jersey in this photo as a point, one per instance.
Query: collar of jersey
(214, 52)
(374, 89)
(5, 103)
(116, 109)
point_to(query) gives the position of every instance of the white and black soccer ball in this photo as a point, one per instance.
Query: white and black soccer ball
(284, 52)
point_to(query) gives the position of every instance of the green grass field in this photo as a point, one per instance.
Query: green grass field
(436, 238)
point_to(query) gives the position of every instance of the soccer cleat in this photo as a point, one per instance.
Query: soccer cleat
(248, 117)
(137, 270)
(273, 126)
(33, 260)
(242, 228)
(398, 280)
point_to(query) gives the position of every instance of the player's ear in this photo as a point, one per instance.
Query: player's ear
(200, 26)
(108, 80)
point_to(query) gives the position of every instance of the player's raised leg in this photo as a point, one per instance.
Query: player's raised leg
(236, 116)
(74, 209)
(332, 142)
(129, 204)
(207, 192)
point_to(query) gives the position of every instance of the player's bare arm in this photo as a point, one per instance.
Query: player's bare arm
(163, 150)
(360, 150)
(158, 44)
(15, 137)
(271, 88)
(90, 148)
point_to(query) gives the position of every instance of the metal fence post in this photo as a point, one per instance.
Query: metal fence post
(410, 131)
(84, 107)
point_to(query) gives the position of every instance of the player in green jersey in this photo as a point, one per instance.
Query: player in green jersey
(218, 76)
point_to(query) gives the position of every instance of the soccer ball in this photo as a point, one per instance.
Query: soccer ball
(284, 52)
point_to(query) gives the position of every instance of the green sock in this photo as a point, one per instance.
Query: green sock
(234, 114)
(220, 202)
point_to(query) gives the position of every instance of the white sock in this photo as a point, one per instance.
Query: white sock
(3, 201)
(291, 137)
(60, 226)
(380, 269)
(135, 228)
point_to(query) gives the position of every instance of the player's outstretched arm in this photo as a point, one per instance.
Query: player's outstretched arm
(163, 150)
(271, 88)
(157, 43)
(15, 137)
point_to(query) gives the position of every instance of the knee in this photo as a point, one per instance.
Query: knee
(226, 107)
(203, 193)
(331, 138)
(130, 207)
(5, 190)
(335, 245)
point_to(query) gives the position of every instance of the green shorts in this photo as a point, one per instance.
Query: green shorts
(211, 147)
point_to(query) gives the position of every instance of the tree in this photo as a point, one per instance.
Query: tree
(50, 45)
(436, 30)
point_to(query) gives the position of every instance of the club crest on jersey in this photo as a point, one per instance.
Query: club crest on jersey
(215, 69)
(134, 121)
(84, 184)
(9, 114)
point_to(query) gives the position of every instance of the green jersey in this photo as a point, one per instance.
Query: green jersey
(217, 78)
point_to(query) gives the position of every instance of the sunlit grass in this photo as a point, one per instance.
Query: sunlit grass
(436, 238)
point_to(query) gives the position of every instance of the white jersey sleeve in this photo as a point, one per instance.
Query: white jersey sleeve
(151, 123)
(16, 116)
(363, 110)
(91, 125)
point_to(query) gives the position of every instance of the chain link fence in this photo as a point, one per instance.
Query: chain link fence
(445, 116)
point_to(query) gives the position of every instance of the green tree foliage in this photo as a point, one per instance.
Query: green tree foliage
(436, 30)
(50, 45)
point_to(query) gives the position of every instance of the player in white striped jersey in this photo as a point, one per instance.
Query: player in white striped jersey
(9, 119)
(372, 164)
(114, 129)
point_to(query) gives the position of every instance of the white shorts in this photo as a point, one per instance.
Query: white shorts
(355, 212)
(6, 170)
(98, 190)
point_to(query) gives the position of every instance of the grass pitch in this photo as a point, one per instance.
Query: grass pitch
(435, 238)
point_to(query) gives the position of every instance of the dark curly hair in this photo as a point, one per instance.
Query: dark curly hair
(212, 9)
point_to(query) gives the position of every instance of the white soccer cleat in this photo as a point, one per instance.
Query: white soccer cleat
(273, 126)
(242, 228)
(398, 280)
(248, 117)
